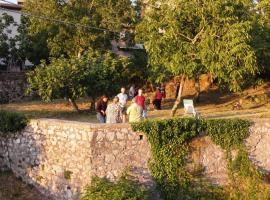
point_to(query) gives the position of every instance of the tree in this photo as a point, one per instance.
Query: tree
(93, 74)
(85, 25)
(190, 37)
(5, 21)
(31, 47)
(20, 47)
(262, 36)
(79, 35)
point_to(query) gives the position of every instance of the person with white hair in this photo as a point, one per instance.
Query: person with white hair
(113, 112)
(123, 98)
(134, 112)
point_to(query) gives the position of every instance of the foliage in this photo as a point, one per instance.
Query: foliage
(247, 181)
(34, 48)
(80, 63)
(11, 122)
(136, 71)
(72, 40)
(169, 146)
(262, 39)
(229, 133)
(169, 149)
(124, 189)
(191, 37)
(67, 174)
(93, 74)
(20, 47)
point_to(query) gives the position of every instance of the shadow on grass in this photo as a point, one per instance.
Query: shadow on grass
(83, 116)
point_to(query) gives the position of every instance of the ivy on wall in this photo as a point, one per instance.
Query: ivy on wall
(169, 146)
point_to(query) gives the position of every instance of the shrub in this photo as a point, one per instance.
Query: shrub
(11, 122)
(124, 189)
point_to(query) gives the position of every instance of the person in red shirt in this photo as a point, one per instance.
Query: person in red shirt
(157, 99)
(141, 102)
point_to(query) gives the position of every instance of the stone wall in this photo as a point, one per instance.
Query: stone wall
(12, 87)
(60, 157)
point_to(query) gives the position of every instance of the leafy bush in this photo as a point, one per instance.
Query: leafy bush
(124, 189)
(11, 122)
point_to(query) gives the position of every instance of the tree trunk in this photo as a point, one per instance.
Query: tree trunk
(93, 101)
(198, 89)
(74, 105)
(152, 87)
(179, 96)
(211, 80)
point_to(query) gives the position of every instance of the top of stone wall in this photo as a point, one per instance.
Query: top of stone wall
(86, 125)
(52, 122)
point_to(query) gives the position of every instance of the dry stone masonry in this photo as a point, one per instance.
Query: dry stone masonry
(60, 157)
(12, 87)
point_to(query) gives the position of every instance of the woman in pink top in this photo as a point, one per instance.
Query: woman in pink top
(157, 99)
(141, 102)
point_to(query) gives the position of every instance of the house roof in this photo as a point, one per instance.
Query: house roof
(10, 6)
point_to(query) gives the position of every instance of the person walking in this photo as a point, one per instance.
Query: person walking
(123, 98)
(101, 107)
(132, 91)
(134, 112)
(113, 112)
(157, 99)
(141, 102)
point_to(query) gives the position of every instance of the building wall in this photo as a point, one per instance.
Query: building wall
(60, 157)
(12, 30)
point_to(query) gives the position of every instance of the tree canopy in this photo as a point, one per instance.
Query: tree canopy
(93, 74)
(190, 37)
(17, 48)
(77, 26)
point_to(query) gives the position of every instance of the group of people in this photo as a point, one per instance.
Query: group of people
(117, 111)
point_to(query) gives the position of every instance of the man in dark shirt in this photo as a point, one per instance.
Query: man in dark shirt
(101, 107)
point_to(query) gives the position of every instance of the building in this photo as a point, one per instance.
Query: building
(12, 10)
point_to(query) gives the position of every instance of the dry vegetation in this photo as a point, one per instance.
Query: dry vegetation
(13, 189)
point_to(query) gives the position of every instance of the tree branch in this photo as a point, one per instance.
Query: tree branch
(195, 39)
